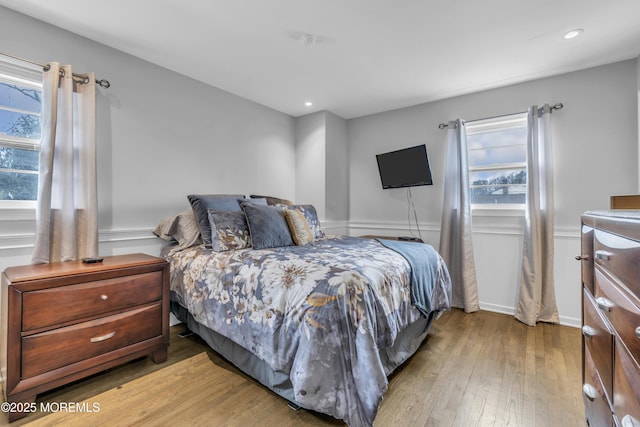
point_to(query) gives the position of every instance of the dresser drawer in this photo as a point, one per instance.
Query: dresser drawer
(596, 405)
(586, 255)
(619, 256)
(620, 308)
(626, 394)
(53, 349)
(59, 305)
(598, 340)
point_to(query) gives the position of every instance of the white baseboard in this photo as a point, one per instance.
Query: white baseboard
(564, 320)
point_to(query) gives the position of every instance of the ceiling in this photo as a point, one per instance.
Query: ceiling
(369, 55)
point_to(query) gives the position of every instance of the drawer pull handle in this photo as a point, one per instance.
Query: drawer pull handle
(603, 255)
(629, 421)
(582, 257)
(590, 392)
(589, 332)
(638, 332)
(103, 337)
(604, 304)
(104, 297)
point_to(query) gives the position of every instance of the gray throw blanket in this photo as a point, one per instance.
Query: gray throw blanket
(425, 265)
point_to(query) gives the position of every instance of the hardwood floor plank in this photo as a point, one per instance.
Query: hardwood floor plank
(479, 369)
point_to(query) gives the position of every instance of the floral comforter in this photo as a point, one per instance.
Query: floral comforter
(318, 312)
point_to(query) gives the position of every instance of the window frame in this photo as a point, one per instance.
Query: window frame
(510, 121)
(14, 72)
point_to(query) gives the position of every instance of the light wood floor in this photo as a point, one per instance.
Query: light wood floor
(480, 369)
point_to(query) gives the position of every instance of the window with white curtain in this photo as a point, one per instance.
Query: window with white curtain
(497, 153)
(20, 105)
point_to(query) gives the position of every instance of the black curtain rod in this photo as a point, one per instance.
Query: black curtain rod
(104, 83)
(557, 106)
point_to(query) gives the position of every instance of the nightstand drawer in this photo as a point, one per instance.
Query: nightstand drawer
(53, 349)
(59, 305)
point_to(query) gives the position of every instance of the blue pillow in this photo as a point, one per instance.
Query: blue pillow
(267, 226)
(201, 203)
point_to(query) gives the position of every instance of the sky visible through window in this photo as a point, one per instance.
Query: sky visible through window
(497, 160)
(19, 103)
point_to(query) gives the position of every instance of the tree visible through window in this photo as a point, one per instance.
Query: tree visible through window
(498, 160)
(19, 138)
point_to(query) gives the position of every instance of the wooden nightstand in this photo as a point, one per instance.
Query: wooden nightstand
(64, 321)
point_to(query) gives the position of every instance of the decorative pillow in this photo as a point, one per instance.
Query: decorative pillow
(299, 227)
(263, 201)
(181, 228)
(200, 203)
(267, 226)
(273, 200)
(311, 214)
(228, 230)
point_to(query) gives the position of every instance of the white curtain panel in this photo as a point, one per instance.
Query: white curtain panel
(537, 299)
(66, 213)
(456, 247)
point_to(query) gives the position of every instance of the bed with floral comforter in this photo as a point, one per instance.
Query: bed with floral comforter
(328, 315)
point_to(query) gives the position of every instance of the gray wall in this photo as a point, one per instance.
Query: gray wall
(594, 136)
(310, 163)
(322, 168)
(337, 169)
(160, 137)
(595, 143)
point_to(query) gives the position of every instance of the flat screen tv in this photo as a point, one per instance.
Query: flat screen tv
(408, 167)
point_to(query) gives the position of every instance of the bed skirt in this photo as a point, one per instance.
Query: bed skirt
(405, 345)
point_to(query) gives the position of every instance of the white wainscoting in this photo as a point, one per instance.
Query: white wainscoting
(16, 249)
(497, 251)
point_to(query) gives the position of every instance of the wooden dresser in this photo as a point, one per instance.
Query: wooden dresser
(611, 317)
(65, 321)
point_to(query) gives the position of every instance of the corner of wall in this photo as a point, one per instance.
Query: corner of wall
(638, 114)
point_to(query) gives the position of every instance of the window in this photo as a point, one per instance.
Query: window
(20, 91)
(498, 161)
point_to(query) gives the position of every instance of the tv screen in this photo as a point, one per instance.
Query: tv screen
(408, 167)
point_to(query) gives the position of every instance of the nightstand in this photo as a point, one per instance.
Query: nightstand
(64, 321)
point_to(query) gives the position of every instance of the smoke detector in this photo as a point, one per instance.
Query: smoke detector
(308, 40)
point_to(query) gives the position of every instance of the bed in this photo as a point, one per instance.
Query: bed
(323, 323)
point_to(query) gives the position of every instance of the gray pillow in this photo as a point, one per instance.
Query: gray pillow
(200, 203)
(181, 228)
(273, 200)
(267, 226)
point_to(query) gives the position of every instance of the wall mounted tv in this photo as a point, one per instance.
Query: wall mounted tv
(408, 167)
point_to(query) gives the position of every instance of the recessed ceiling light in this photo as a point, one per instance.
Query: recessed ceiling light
(308, 104)
(572, 33)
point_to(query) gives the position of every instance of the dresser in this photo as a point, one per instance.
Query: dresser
(610, 258)
(64, 321)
